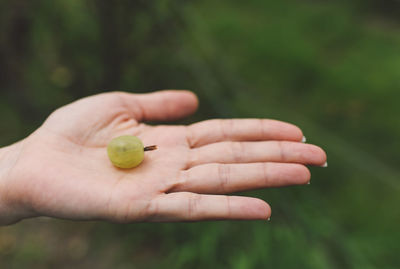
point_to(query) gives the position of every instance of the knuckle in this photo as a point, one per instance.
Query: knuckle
(226, 126)
(261, 126)
(223, 176)
(122, 215)
(281, 150)
(265, 174)
(228, 206)
(301, 152)
(193, 205)
(237, 151)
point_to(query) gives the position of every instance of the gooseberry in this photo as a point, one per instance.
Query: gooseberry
(127, 151)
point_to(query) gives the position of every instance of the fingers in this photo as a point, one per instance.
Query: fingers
(161, 105)
(186, 206)
(212, 131)
(266, 151)
(228, 178)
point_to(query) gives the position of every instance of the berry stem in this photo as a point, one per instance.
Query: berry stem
(149, 148)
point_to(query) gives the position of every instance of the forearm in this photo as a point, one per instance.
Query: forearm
(10, 212)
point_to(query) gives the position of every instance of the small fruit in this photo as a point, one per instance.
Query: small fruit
(127, 151)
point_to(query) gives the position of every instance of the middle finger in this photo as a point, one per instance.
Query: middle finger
(264, 151)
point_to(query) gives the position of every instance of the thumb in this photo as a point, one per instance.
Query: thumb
(163, 105)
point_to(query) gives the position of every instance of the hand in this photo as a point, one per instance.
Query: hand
(62, 170)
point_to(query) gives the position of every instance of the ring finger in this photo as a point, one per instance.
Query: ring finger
(218, 178)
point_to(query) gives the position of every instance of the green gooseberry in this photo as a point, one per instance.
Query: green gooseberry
(127, 151)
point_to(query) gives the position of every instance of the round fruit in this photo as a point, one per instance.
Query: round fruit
(126, 151)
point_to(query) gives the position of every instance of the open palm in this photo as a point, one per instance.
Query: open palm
(63, 168)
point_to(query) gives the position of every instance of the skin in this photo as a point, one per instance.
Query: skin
(62, 170)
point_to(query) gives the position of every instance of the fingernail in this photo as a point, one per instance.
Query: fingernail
(325, 164)
(304, 139)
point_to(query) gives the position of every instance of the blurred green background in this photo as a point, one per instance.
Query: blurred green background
(331, 67)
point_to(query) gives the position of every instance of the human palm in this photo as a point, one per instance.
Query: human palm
(63, 169)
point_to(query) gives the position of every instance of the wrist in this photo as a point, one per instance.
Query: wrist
(10, 212)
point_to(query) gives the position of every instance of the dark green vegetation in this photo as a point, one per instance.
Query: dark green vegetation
(332, 67)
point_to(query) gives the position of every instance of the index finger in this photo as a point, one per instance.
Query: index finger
(218, 130)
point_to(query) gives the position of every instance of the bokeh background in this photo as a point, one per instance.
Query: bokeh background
(329, 66)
